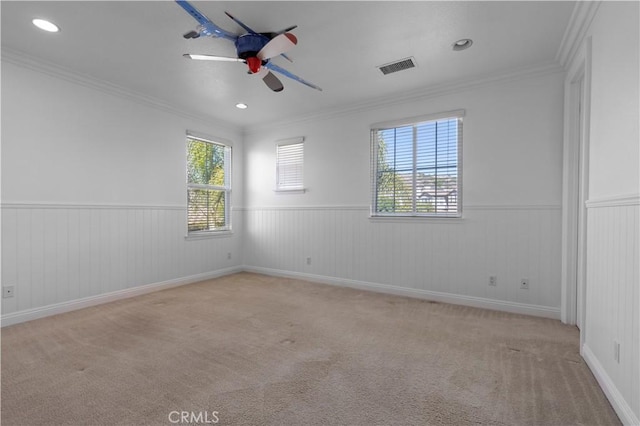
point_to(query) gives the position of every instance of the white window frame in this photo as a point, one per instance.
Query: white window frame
(415, 121)
(298, 187)
(226, 229)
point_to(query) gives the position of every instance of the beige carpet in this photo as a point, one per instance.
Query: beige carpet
(260, 350)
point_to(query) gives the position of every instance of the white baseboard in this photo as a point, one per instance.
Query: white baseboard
(476, 302)
(619, 404)
(59, 308)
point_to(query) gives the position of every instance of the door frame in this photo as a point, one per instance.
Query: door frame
(575, 184)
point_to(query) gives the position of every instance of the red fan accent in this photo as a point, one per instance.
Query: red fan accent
(254, 64)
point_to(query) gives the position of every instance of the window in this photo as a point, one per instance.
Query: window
(417, 167)
(289, 165)
(208, 185)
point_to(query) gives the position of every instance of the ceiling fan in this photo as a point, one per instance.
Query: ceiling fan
(253, 48)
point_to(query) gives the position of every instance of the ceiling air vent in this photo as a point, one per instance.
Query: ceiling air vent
(402, 64)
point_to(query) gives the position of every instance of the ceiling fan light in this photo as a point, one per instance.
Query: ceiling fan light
(45, 25)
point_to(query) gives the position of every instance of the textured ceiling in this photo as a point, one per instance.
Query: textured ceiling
(138, 46)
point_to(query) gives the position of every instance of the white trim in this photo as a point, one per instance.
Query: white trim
(579, 22)
(456, 299)
(203, 137)
(29, 205)
(290, 141)
(619, 404)
(207, 187)
(458, 113)
(297, 208)
(73, 305)
(290, 191)
(582, 76)
(540, 70)
(574, 183)
(42, 66)
(204, 235)
(417, 218)
(479, 207)
(478, 302)
(512, 207)
(614, 201)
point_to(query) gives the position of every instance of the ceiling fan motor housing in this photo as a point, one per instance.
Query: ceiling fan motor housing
(248, 46)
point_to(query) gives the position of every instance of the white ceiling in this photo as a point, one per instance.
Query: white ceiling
(138, 45)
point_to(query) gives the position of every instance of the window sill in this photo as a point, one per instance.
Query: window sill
(203, 235)
(290, 191)
(414, 219)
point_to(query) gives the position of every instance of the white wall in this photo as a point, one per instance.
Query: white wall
(512, 147)
(512, 160)
(94, 194)
(613, 234)
(615, 146)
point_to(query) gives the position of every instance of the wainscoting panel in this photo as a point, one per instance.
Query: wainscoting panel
(454, 256)
(613, 301)
(54, 254)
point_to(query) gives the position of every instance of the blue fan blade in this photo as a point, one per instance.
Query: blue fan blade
(208, 27)
(274, 67)
(286, 30)
(237, 21)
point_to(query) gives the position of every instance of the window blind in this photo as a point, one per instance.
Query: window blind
(417, 168)
(208, 185)
(289, 164)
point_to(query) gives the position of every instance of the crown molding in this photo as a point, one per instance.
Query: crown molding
(27, 61)
(543, 69)
(24, 60)
(579, 23)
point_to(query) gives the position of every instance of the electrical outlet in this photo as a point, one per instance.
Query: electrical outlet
(524, 283)
(616, 351)
(493, 280)
(8, 291)
(229, 256)
(308, 261)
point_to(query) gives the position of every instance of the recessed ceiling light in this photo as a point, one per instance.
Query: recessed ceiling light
(462, 44)
(241, 106)
(45, 25)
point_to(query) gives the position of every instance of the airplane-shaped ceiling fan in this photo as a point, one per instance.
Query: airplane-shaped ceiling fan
(253, 48)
